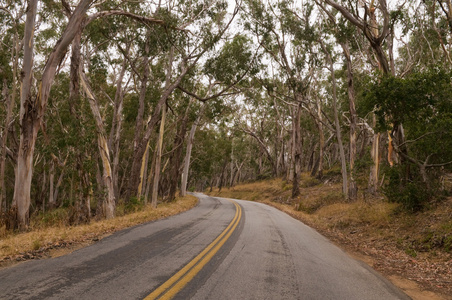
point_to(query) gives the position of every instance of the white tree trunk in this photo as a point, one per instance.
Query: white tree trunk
(337, 125)
(158, 161)
(51, 182)
(353, 188)
(115, 132)
(183, 188)
(28, 134)
(110, 201)
(143, 172)
(32, 109)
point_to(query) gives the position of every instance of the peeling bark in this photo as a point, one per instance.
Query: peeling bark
(184, 180)
(104, 151)
(176, 156)
(32, 109)
(21, 200)
(158, 161)
(115, 132)
(353, 188)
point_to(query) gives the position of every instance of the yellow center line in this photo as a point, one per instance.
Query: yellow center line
(178, 281)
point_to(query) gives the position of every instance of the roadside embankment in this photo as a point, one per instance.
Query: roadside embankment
(413, 250)
(54, 238)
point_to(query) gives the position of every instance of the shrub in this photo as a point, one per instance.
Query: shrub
(133, 205)
(56, 217)
(412, 193)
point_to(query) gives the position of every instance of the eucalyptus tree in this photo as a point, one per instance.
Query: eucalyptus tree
(330, 67)
(101, 38)
(377, 21)
(188, 151)
(421, 101)
(257, 122)
(440, 12)
(366, 20)
(343, 34)
(213, 112)
(34, 100)
(287, 35)
(11, 20)
(210, 27)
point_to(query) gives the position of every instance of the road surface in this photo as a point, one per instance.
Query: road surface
(221, 249)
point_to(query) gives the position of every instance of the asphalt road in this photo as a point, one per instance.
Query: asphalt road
(221, 249)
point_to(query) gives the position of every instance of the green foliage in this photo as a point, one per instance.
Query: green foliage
(448, 243)
(234, 59)
(36, 244)
(55, 217)
(310, 182)
(422, 97)
(133, 205)
(412, 194)
(421, 102)
(411, 252)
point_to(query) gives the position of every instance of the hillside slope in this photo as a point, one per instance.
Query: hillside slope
(412, 250)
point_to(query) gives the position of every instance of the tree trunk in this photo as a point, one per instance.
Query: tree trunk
(57, 187)
(281, 159)
(10, 99)
(115, 132)
(150, 177)
(32, 110)
(375, 154)
(74, 86)
(4, 137)
(296, 152)
(221, 180)
(22, 187)
(337, 125)
(51, 201)
(155, 186)
(321, 141)
(290, 171)
(143, 173)
(353, 188)
(183, 190)
(138, 154)
(158, 161)
(141, 99)
(104, 151)
(175, 159)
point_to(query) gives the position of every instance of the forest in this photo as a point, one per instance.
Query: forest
(108, 102)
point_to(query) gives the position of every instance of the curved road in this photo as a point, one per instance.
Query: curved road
(221, 249)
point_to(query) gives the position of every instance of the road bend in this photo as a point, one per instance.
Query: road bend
(221, 249)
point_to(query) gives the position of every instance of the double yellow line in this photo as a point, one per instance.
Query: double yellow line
(178, 281)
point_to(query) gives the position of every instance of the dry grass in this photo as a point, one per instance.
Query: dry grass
(43, 239)
(318, 202)
(256, 191)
